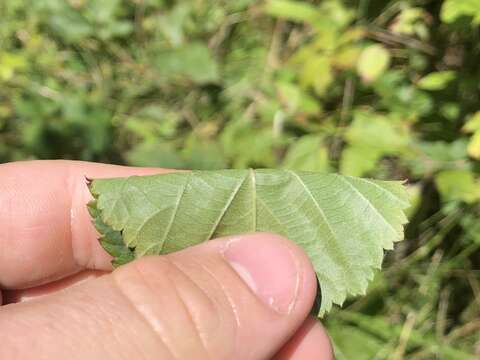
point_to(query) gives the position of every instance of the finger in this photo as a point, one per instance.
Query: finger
(16, 296)
(218, 300)
(46, 229)
(309, 342)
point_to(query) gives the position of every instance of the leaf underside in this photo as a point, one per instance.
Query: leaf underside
(343, 223)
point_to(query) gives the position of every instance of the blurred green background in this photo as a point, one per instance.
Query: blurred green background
(387, 89)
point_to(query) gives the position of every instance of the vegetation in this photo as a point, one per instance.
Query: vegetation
(384, 89)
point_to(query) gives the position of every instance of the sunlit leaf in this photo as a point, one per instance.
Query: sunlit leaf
(473, 123)
(474, 145)
(436, 80)
(457, 185)
(453, 9)
(473, 126)
(9, 64)
(317, 73)
(409, 21)
(373, 62)
(292, 10)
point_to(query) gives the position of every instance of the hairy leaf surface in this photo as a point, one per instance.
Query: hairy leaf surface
(343, 223)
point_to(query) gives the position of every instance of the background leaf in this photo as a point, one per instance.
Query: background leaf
(457, 185)
(436, 81)
(292, 10)
(453, 9)
(373, 62)
(192, 61)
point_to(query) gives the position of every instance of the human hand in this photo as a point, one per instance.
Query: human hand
(240, 298)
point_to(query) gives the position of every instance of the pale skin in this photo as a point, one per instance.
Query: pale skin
(61, 300)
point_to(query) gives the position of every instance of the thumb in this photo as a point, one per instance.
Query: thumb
(235, 298)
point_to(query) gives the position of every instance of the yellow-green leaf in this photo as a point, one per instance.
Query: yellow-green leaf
(453, 9)
(292, 10)
(457, 185)
(436, 80)
(473, 123)
(474, 145)
(373, 62)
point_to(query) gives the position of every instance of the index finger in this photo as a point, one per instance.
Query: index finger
(45, 229)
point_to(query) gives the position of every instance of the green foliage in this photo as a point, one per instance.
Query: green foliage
(192, 62)
(210, 84)
(308, 154)
(165, 213)
(373, 62)
(370, 137)
(436, 81)
(454, 9)
(293, 10)
(472, 125)
(457, 185)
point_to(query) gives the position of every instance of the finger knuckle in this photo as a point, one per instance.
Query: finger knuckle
(170, 299)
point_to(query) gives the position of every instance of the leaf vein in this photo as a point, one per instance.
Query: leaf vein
(317, 205)
(389, 193)
(369, 203)
(174, 212)
(225, 208)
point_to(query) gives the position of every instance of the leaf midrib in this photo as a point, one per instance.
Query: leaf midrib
(254, 199)
(317, 205)
(174, 212)
(337, 257)
(389, 193)
(225, 208)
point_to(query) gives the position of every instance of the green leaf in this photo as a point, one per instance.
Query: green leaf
(246, 150)
(473, 126)
(457, 185)
(353, 343)
(373, 62)
(359, 160)
(370, 137)
(474, 145)
(328, 15)
(309, 154)
(317, 73)
(343, 223)
(436, 80)
(9, 64)
(410, 21)
(111, 240)
(156, 154)
(292, 10)
(192, 61)
(377, 131)
(173, 22)
(450, 110)
(454, 9)
(473, 123)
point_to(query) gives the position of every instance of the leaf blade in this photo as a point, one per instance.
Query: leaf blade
(342, 223)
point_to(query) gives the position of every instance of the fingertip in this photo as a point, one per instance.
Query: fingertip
(47, 228)
(279, 267)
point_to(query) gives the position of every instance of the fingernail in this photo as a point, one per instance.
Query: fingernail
(268, 267)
